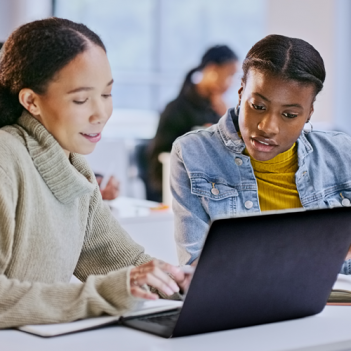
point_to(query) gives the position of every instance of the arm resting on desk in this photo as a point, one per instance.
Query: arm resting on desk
(38, 303)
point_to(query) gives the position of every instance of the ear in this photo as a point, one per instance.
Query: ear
(28, 99)
(240, 91)
(310, 114)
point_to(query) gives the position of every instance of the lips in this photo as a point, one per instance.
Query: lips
(263, 144)
(92, 137)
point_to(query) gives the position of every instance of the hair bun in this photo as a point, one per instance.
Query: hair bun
(10, 107)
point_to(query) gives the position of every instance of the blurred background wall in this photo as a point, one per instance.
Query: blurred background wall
(151, 45)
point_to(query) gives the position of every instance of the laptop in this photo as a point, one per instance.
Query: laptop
(259, 269)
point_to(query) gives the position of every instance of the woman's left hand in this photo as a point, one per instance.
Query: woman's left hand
(157, 274)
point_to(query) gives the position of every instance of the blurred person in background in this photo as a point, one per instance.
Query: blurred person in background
(199, 104)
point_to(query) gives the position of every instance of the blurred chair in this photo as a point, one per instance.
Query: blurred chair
(165, 159)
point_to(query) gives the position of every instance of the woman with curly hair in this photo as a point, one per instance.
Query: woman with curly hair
(55, 99)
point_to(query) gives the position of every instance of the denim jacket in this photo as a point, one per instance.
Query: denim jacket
(213, 158)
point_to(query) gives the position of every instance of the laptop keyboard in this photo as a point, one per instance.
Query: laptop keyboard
(166, 319)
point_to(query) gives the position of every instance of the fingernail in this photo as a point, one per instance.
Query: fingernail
(175, 287)
(169, 291)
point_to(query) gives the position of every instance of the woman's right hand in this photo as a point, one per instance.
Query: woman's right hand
(154, 273)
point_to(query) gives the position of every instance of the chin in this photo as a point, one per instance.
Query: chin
(84, 150)
(261, 156)
(264, 157)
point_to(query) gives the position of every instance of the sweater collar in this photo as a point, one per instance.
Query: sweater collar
(66, 178)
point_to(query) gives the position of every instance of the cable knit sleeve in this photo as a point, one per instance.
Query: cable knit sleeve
(107, 246)
(27, 302)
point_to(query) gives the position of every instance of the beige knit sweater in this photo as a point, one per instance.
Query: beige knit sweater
(53, 223)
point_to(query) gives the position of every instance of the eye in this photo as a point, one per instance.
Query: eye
(80, 102)
(258, 107)
(106, 95)
(289, 115)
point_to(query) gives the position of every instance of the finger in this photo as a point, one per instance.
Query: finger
(166, 278)
(159, 280)
(143, 294)
(184, 285)
(176, 272)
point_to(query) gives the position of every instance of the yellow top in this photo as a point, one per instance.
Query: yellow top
(276, 181)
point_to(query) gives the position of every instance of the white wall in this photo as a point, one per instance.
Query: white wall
(14, 13)
(326, 25)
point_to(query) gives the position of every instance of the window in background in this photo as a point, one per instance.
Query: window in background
(152, 44)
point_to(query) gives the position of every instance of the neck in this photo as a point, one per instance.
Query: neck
(67, 153)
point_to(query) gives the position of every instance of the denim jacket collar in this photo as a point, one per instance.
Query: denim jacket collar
(234, 143)
(229, 134)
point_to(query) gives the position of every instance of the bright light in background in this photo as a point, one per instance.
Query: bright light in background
(153, 43)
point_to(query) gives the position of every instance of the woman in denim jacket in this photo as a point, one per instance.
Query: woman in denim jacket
(258, 157)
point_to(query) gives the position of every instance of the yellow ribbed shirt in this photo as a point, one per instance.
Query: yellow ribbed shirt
(276, 181)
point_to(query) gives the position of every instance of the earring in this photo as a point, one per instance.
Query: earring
(237, 109)
(311, 127)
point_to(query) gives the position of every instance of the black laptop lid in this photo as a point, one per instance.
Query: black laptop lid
(265, 268)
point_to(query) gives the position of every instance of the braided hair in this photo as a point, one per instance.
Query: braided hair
(288, 58)
(33, 54)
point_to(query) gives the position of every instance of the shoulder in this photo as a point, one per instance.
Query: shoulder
(199, 140)
(10, 141)
(329, 141)
(13, 152)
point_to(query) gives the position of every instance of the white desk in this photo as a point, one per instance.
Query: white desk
(327, 331)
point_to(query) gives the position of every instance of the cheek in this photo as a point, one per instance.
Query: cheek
(246, 124)
(290, 133)
(109, 109)
(73, 120)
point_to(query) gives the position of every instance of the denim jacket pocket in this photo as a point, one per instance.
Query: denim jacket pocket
(218, 197)
(341, 198)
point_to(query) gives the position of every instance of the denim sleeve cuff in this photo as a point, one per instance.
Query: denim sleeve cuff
(346, 267)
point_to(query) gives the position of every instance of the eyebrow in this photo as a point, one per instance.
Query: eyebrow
(87, 88)
(287, 105)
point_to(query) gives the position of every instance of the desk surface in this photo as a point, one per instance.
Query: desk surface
(330, 330)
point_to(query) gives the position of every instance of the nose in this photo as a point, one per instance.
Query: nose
(99, 114)
(269, 125)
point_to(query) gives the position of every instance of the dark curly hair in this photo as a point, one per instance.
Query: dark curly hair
(288, 58)
(33, 54)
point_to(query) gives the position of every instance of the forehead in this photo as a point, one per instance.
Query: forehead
(229, 67)
(90, 68)
(277, 89)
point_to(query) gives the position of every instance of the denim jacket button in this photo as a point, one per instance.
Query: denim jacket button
(345, 202)
(238, 161)
(248, 204)
(215, 191)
